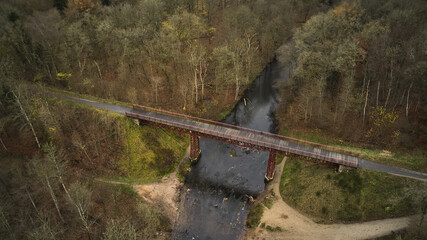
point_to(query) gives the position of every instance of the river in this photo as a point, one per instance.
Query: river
(214, 202)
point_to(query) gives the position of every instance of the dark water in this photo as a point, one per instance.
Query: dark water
(214, 200)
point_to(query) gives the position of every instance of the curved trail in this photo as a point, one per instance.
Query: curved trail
(297, 226)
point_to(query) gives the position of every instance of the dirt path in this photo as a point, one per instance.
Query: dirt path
(297, 226)
(164, 194)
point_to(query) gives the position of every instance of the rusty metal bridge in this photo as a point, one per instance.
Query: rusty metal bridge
(263, 141)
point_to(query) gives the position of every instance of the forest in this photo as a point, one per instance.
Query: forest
(193, 56)
(170, 54)
(358, 73)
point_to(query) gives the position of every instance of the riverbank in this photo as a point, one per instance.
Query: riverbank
(281, 221)
(165, 193)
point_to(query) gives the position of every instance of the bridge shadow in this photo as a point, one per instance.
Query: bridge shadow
(234, 168)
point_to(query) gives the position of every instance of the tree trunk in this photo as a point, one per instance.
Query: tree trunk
(306, 110)
(202, 75)
(26, 118)
(196, 90)
(49, 72)
(3, 220)
(31, 200)
(4, 146)
(388, 96)
(52, 194)
(335, 113)
(85, 152)
(99, 69)
(389, 86)
(236, 95)
(378, 92)
(407, 100)
(320, 98)
(366, 100)
(311, 111)
(401, 99)
(82, 66)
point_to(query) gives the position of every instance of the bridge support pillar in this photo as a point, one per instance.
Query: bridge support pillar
(194, 147)
(271, 166)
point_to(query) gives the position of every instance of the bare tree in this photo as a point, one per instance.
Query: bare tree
(46, 173)
(156, 81)
(77, 141)
(24, 114)
(366, 100)
(44, 231)
(4, 223)
(407, 99)
(80, 198)
(2, 123)
(183, 89)
(119, 230)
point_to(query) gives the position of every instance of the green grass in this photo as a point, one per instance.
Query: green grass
(273, 229)
(254, 216)
(122, 188)
(411, 159)
(224, 114)
(279, 158)
(256, 211)
(227, 110)
(184, 169)
(268, 202)
(150, 153)
(357, 195)
(270, 228)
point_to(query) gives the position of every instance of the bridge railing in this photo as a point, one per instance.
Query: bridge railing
(281, 137)
(263, 144)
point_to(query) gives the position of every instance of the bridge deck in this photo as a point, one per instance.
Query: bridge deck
(245, 137)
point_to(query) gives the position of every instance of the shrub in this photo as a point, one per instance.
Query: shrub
(254, 216)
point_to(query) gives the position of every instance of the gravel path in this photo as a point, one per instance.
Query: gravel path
(297, 226)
